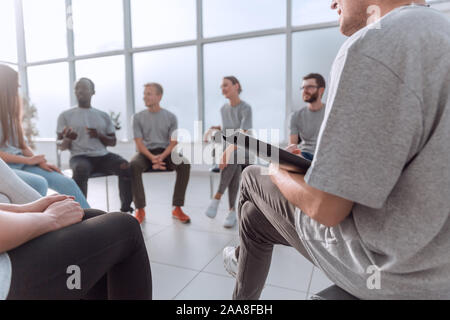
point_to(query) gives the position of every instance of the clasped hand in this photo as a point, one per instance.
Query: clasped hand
(61, 210)
(158, 163)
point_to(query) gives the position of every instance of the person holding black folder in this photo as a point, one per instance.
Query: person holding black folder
(236, 116)
(372, 211)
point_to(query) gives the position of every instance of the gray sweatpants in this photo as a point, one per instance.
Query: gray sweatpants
(266, 218)
(230, 178)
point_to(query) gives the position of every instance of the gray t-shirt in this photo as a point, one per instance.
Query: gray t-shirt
(306, 124)
(79, 119)
(235, 118)
(385, 146)
(155, 128)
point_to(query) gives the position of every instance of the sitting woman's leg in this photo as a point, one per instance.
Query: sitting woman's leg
(61, 184)
(108, 250)
(226, 176)
(233, 187)
(35, 181)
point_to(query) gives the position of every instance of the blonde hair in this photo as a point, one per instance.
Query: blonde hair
(159, 88)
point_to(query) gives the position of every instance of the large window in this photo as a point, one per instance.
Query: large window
(237, 16)
(97, 25)
(176, 71)
(163, 21)
(306, 12)
(49, 92)
(123, 44)
(45, 29)
(108, 75)
(8, 45)
(260, 66)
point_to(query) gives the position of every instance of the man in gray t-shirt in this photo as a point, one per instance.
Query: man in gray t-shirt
(87, 132)
(372, 212)
(305, 123)
(155, 137)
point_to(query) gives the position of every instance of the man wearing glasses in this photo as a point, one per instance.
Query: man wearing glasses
(305, 123)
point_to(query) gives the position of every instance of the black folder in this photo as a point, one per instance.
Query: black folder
(268, 152)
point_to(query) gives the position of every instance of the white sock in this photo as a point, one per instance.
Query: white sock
(214, 203)
(213, 208)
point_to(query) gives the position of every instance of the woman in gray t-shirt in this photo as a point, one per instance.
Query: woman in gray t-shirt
(236, 115)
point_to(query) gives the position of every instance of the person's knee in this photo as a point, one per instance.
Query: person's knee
(184, 167)
(125, 169)
(92, 213)
(81, 170)
(126, 222)
(248, 216)
(121, 224)
(250, 174)
(125, 165)
(251, 171)
(136, 167)
(40, 184)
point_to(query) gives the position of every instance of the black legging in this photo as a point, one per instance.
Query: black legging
(108, 248)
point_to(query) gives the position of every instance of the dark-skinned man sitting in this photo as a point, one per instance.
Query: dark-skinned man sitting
(87, 132)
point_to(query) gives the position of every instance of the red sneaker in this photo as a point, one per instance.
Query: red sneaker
(178, 213)
(140, 215)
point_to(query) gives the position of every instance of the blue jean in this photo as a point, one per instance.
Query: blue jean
(40, 180)
(308, 156)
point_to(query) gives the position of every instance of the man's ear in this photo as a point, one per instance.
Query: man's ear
(321, 91)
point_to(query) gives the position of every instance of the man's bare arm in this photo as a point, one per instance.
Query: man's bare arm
(169, 149)
(293, 139)
(323, 207)
(143, 149)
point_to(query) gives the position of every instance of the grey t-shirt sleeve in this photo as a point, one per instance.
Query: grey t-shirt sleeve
(372, 125)
(294, 129)
(137, 128)
(247, 119)
(173, 127)
(61, 124)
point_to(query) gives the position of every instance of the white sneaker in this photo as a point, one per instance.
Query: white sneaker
(230, 220)
(230, 261)
(211, 212)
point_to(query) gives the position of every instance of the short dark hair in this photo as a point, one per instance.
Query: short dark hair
(320, 80)
(234, 81)
(91, 83)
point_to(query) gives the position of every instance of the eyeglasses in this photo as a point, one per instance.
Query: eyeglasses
(308, 88)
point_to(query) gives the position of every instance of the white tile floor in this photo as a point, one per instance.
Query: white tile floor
(186, 260)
